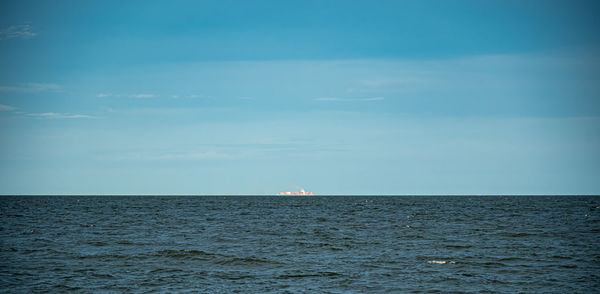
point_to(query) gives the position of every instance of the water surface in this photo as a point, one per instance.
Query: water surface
(317, 244)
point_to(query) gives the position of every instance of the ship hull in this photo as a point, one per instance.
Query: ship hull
(302, 193)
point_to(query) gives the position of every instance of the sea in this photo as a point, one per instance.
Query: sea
(300, 244)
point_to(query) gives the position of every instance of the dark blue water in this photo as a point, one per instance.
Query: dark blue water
(300, 244)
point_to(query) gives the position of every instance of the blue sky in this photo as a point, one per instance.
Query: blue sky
(337, 97)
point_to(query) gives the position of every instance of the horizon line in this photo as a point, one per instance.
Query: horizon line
(293, 196)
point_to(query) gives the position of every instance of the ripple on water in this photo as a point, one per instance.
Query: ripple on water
(310, 245)
(309, 275)
(215, 258)
(186, 253)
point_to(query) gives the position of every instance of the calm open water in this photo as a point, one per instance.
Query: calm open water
(317, 244)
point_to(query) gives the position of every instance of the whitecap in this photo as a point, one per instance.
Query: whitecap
(441, 262)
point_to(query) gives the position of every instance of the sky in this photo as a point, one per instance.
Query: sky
(336, 97)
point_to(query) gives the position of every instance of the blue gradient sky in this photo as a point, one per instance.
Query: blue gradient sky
(338, 97)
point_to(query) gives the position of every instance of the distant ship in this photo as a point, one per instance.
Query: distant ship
(301, 192)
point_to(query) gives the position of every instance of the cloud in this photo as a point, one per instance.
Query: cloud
(147, 95)
(335, 99)
(372, 99)
(56, 115)
(30, 88)
(17, 31)
(423, 78)
(143, 96)
(45, 115)
(169, 156)
(140, 96)
(191, 96)
(6, 108)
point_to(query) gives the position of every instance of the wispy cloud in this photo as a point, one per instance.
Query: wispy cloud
(142, 96)
(45, 115)
(17, 31)
(148, 95)
(335, 99)
(168, 156)
(56, 115)
(139, 96)
(6, 107)
(423, 78)
(30, 88)
(191, 96)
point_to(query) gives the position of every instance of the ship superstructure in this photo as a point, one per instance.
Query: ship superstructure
(301, 192)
